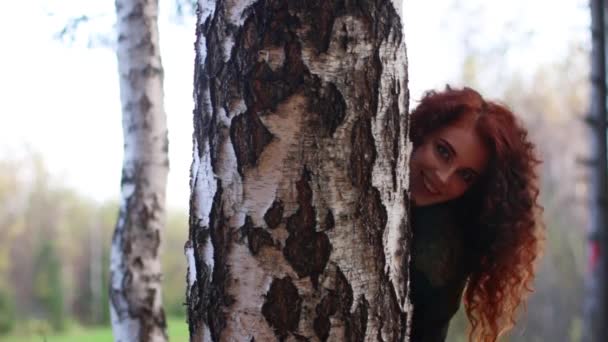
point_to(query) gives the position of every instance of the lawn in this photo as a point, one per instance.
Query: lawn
(178, 331)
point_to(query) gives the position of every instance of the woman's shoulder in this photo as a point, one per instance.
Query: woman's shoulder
(438, 270)
(439, 246)
(442, 214)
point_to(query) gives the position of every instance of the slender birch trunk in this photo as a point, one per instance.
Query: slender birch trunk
(96, 284)
(298, 220)
(596, 302)
(135, 279)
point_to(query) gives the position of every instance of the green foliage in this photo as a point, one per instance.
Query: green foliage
(7, 313)
(48, 287)
(37, 331)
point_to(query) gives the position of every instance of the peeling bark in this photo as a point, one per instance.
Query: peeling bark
(135, 278)
(299, 176)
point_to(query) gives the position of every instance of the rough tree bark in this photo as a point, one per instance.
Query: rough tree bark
(299, 190)
(596, 301)
(135, 278)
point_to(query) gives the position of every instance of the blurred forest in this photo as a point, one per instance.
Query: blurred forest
(54, 250)
(54, 240)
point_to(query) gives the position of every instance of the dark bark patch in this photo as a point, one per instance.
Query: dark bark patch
(201, 291)
(138, 263)
(221, 238)
(344, 39)
(387, 22)
(363, 153)
(325, 309)
(321, 324)
(194, 309)
(144, 104)
(306, 249)
(204, 121)
(137, 12)
(320, 15)
(151, 325)
(392, 135)
(274, 215)
(330, 222)
(155, 243)
(300, 338)
(208, 299)
(151, 71)
(127, 248)
(294, 69)
(372, 215)
(373, 82)
(322, 26)
(282, 307)
(308, 255)
(337, 302)
(249, 138)
(329, 103)
(388, 307)
(267, 88)
(256, 237)
(247, 44)
(304, 218)
(149, 298)
(357, 324)
(269, 25)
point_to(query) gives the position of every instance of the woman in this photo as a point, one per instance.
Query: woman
(476, 229)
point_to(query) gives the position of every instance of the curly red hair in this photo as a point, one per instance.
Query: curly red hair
(500, 213)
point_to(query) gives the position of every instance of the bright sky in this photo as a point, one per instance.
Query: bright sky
(62, 100)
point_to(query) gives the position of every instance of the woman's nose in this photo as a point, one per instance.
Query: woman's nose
(443, 176)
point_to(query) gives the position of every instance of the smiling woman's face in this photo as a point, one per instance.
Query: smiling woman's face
(447, 163)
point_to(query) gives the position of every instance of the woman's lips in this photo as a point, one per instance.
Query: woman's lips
(428, 186)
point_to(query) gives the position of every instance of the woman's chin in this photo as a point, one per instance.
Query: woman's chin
(420, 201)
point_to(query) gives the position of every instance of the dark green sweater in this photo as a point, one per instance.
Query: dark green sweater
(438, 271)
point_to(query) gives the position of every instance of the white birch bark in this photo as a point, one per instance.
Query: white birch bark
(298, 220)
(135, 278)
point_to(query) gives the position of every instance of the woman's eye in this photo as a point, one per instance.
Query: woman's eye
(467, 176)
(443, 151)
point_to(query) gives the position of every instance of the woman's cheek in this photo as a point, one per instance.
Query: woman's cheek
(459, 190)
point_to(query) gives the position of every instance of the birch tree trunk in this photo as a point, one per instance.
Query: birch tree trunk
(596, 302)
(135, 278)
(298, 220)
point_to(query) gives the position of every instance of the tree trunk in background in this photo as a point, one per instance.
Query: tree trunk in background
(135, 279)
(596, 304)
(96, 272)
(298, 227)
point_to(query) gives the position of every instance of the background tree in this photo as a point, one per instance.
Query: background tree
(298, 206)
(135, 278)
(597, 281)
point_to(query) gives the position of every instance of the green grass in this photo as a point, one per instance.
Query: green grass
(178, 331)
